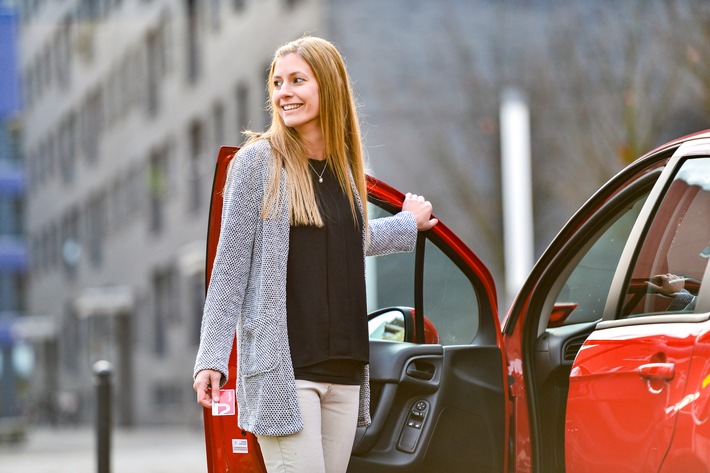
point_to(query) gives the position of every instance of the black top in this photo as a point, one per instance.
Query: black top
(325, 290)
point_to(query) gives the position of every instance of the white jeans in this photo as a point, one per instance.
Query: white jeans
(324, 445)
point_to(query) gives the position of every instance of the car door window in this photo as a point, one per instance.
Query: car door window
(450, 301)
(672, 259)
(583, 294)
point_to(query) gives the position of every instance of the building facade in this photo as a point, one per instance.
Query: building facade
(127, 103)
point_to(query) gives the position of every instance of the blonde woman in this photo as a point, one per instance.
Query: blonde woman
(289, 271)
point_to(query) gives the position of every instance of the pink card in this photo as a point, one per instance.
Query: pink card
(226, 404)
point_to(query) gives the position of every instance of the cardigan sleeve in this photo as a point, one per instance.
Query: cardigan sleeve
(683, 300)
(394, 234)
(241, 214)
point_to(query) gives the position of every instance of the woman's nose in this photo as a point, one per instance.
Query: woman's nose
(285, 90)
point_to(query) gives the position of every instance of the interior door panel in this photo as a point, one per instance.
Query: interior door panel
(435, 409)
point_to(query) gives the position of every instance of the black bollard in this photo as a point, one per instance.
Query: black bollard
(102, 380)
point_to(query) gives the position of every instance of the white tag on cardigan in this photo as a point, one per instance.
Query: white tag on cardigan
(225, 406)
(240, 446)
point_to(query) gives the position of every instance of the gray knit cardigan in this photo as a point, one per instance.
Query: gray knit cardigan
(247, 293)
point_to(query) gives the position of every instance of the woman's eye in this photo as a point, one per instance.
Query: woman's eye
(277, 83)
(298, 79)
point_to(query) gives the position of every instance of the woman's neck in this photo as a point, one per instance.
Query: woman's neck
(315, 145)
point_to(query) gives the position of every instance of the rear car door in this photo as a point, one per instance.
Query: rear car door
(437, 372)
(638, 398)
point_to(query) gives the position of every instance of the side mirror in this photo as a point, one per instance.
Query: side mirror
(397, 324)
(560, 312)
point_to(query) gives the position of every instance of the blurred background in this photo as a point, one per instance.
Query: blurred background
(112, 113)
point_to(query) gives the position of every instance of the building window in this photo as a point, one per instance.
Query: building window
(125, 78)
(158, 189)
(92, 120)
(72, 341)
(197, 302)
(63, 56)
(196, 168)
(157, 41)
(46, 248)
(67, 148)
(165, 306)
(28, 88)
(242, 99)
(50, 155)
(137, 93)
(218, 124)
(266, 115)
(11, 215)
(46, 63)
(36, 253)
(135, 191)
(12, 292)
(193, 41)
(96, 228)
(54, 245)
(30, 173)
(71, 244)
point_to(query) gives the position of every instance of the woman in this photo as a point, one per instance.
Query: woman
(289, 269)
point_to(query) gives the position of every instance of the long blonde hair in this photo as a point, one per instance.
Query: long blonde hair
(341, 133)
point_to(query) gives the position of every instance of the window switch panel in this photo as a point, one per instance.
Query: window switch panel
(412, 428)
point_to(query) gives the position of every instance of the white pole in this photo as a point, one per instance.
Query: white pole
(517, 190)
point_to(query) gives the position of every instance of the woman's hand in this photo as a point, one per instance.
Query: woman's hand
(421, 209)
(668, 284)
(204, 381)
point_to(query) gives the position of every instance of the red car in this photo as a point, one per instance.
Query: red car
(595, 367)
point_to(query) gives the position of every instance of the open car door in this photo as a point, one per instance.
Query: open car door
(437, 367)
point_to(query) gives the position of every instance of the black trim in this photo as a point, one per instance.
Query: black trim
(419, 289)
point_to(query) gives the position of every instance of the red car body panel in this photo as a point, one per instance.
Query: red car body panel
(522, 446)
(692, 434)
(625, 386)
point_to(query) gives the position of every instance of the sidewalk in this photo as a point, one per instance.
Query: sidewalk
(138, 450)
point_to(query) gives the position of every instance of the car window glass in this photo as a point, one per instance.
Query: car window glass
(585, 291)
(674, 254)
(450, 302)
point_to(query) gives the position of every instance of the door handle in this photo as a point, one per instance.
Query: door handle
(660, 371)
(420, 370)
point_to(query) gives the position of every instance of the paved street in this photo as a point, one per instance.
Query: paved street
(73, 450)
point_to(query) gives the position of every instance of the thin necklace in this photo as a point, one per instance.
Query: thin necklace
(320, 176)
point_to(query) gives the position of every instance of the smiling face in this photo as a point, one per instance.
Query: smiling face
(295, 95)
